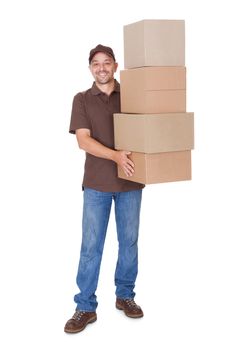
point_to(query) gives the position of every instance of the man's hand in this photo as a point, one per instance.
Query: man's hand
(90, 145)
(121, 158)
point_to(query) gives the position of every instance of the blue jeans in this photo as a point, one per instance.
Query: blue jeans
(96, 211)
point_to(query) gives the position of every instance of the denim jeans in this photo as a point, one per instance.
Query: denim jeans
(96, 212)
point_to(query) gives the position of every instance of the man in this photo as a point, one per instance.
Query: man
(92, 122)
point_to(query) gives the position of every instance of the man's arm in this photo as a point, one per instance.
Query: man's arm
(90, 145)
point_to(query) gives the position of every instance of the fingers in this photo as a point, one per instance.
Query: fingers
(128, 170)
(128, 165)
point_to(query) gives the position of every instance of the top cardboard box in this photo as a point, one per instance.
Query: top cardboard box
(154, 43)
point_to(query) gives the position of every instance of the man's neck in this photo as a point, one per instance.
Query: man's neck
(107, 88)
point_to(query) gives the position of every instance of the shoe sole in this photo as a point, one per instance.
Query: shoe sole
(128, 315)
(81, 329)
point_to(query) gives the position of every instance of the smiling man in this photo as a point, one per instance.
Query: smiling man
(92, 122)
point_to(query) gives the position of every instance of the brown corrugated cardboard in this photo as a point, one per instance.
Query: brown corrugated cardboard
(159, 167)
(154, 43)
(153, 90)
(154, 133)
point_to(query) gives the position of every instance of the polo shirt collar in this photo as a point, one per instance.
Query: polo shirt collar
(96, 91)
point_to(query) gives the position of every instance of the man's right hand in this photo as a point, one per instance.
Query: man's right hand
(122, 159)
(90, 145)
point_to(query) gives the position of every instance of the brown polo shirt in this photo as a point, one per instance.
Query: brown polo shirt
(93, 110)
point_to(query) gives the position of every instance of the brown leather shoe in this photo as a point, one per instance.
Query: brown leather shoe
(79, 321)
(130, 308)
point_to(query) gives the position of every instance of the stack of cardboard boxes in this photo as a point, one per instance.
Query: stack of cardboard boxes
(154, 124)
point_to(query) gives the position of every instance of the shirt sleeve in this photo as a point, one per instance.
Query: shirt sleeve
(79, 118)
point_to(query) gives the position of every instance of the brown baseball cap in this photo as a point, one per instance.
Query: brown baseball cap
(101, 48)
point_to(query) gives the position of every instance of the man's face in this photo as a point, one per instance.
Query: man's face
(103, 68)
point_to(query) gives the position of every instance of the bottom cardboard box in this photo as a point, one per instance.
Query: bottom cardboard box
(159, 167)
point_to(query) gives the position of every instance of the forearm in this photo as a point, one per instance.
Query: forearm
(97, 149)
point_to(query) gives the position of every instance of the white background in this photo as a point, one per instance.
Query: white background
(185, 273)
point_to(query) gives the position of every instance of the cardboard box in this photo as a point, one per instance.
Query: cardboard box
(154, 43)
(154, 133)
(153, 90)
(159, 167)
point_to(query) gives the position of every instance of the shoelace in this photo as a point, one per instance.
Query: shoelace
(77, 315)
(131, 303)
